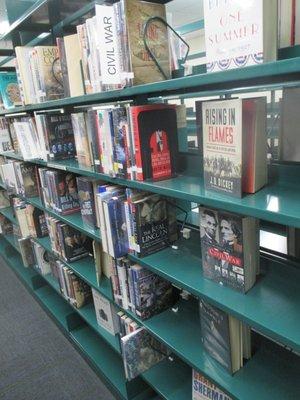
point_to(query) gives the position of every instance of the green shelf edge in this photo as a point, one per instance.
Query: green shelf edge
(271, 306)
(276, 202)
(8, 213)
(218, 80)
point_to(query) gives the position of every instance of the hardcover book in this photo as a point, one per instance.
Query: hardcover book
(42, 258)
(27, 179)
(143, 67)
(151, 225)
(60, 136)
(140, 352)
(74, 243)
(223, 337)
(49, 73)
(120, 145)
(203, 389)
(36, 221)
(155, 141)
(73, 58)
(86, 200)
(239, 34)
(84, 156)
(234, 145)
(26, 251)
(105, 312)
(63, 65)
(5, 140)
(9, 90)
(25, 76)
(229, 248)
(64, 190)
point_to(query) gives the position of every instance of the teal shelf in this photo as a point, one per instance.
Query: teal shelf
(8, 213)
(267, 72)
(85, 269)
(104, 359)
(271, 306)
(73, 220)
(11, 239)
(172, 380)
(276, 202)
(272, 373)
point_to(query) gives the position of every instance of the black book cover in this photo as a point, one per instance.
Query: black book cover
(86, 199)
(61, 142)
(159, 143)
(215, 334)
(152, 225)
(76, 244)
(40, 223)
(29, 180)
(222, 248)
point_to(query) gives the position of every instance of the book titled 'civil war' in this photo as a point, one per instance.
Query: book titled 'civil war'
(203, 389)
(224, 337)
(239, 33)
(230, 248)
(234, 145)
(154, 131)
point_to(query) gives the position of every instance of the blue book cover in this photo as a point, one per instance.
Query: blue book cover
(9, 89)
(117, 222)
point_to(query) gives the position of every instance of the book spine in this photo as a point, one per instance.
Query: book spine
(102, 223)
(137, 144)
(116, 284)
(135, 280)
(109, 236)
(63, 63)
(123, 286)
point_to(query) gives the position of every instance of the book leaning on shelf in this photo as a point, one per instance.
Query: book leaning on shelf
(203, 389)
(238, 34)
(9, 90)
(230, 248)
(5, 139)
(106, 313)
(234, 145)
(43, 258)
(225, 338)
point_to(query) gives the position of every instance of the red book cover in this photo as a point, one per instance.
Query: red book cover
(155, 141)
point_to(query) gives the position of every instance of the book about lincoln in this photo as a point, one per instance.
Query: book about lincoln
(222, 146)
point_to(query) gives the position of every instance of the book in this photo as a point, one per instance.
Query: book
(238, 35)
(142, 65)
(22, 221)
(27, 179)
(63, 65)
(223, 337)
(49, 73)
(297, 22)
(9, 90)
(5, 140)
(4, 199)
(28, 143)
(27, 252)
(59, 136)
(289, 146)
(151, 225)
(234, 145)
(86, 200)
(6, 227)
(293, 241)
(119, 128)
(74, 244)
(155, 141)
(36, 221)
(140, 352)
(106, 313)
(203, 389)
(73, 58)
(25, 79)
(229, 248)
(42, 258)
(286, 23)
(83, 151)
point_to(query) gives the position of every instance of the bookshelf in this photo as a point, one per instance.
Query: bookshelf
(271, 307)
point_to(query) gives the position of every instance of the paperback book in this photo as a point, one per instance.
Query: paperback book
(87, 201)
(230, 248)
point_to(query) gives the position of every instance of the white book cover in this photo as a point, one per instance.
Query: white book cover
(222, 146)
(234, 33)
(9, 176)
(203, 389)
(108, 45)
(23, 59)
(5, 141)
(286, 23)
(27, 140)
(105, 313)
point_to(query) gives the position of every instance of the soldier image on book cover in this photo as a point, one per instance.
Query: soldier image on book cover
(222, 247)
(222, 146)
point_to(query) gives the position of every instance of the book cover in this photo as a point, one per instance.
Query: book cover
(43, 259)
(92, 126)
(116, 226)
(27, 139)
(63, 65)
(4, 199)
(73, 57)
(27, 179)
(75, 243)
(27, 252)
(23, 61)
(80, 290)
(65, 191)
(222, 146)
(239, 34)
(81, 139)
(289, 144)
(152, 227)
(9, 89)
(140, 352)
(222, 248)
(203, 389)
(49, 72)
(60, 135)
(105, 313)
(215, 334)
(153, 294)
(86, 200)
(155, 141)
(5, 140)
(120, 149)
(143, 67)
(36, 221)
(6, 227)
